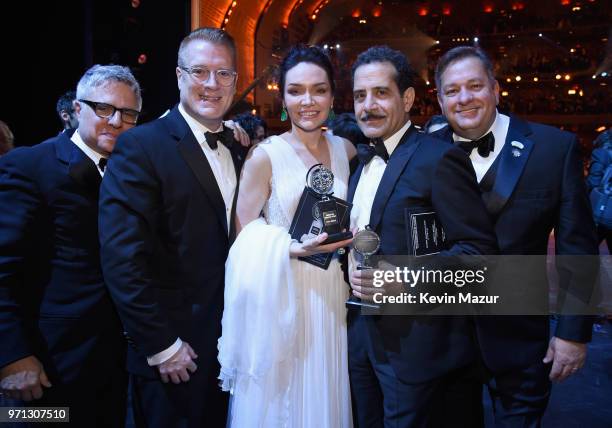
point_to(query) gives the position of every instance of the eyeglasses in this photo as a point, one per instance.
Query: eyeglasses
(106, 111)
(224, 77)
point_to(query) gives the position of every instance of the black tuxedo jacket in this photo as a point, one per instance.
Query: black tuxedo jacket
(425, 172)
(538, 188)
(164, 240)
(53, 302)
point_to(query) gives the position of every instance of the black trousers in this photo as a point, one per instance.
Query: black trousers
(103, 405)
(380, 399)
(194, 404)
(92, 383)
(519, 397)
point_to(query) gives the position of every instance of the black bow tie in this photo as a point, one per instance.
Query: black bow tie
(225, 137)
(485, 145)
(365, 152)
(102, 164)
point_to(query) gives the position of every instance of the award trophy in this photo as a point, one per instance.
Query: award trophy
(366, 243)
(319, 211)
(325, 214)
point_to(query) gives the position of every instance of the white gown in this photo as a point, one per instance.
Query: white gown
(283, 349)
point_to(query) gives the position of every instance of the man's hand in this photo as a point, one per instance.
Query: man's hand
(391, 288)
(23, 379)
(362, 283)
(567, 357)
(177, 368)
(239, 133)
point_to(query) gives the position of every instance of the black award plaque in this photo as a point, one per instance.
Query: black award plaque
(425, 234)
(319, 211)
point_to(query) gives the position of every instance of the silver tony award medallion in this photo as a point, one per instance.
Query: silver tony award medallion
(366, 243)
(320, 179)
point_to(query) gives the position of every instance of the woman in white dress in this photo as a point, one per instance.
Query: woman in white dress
(283, 350)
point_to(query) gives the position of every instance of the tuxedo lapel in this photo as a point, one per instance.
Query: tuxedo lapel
(395, 166)
(80, 168)
(192, 154)
(445, 134)
(238, 156)
(513, 159)
(353, 182)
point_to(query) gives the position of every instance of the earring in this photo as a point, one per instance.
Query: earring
(283, 114)
(331, 115)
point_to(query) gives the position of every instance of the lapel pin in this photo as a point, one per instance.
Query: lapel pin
(517, 144)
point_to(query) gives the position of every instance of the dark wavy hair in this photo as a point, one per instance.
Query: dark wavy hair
(404, 76)
(64, 103)
(302, 53)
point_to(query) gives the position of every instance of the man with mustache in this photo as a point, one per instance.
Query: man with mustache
(62, 342)
(165, 228)
(397, 364)
(531, 180)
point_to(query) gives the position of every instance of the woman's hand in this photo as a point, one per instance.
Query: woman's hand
(240, 134)
(316, 246)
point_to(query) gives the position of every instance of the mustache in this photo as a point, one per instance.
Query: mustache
(368, 116)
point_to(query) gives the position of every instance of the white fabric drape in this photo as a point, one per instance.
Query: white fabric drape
(259, 320)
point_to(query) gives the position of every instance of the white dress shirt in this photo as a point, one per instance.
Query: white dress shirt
(499, 128)
(222, 165)
(89, 152)
(220, 161)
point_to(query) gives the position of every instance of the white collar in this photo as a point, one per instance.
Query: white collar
(89, 152)
(392, 142)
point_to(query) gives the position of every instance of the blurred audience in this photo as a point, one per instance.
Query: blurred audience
(254, 125)
(6, 139)
(434, 123)
(599, 176)
(344, 125)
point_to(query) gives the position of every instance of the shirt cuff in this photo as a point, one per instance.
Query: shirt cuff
(163, 356)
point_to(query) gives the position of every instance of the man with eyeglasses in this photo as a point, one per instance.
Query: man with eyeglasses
(62, 342)
(166, 208)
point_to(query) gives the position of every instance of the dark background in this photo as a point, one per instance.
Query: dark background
(56, 42)
(46, 47)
